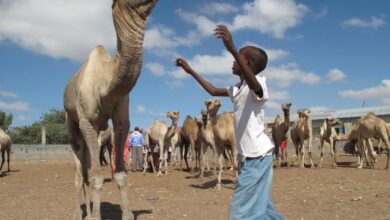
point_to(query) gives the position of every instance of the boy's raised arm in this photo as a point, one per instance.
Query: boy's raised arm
(211, 89)
(223, 32)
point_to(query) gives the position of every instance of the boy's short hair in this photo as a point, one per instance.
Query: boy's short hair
(136, 129)
(259, 58)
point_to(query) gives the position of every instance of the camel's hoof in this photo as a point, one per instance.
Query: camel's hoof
(129, 216)
(319, 166)
(218, 186)
(159, 173)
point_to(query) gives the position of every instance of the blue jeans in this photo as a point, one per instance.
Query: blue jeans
(251, 198)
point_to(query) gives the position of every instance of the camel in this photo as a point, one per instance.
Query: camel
(207, 135)
(175, 144)
(328, 134)
(5, 146)
(99, 91)
(369, 126)
(160, 133)
(224, 135)
(279, 133)
(301, 131)
(190, 137)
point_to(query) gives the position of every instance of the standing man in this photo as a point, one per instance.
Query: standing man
(137, 146)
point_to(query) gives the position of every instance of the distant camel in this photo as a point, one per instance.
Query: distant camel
(328, 134)
(106, 143)
(279, 133)
(160, 133)
(224, 134)
(191, 137)
(5, 146)
(369, 126)
(301, 131)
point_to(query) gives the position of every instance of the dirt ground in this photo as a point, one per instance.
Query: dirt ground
(46, 191)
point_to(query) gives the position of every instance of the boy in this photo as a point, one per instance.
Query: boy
(251, 199)
(137, 147)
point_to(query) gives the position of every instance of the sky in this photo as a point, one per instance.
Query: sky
(323, 55)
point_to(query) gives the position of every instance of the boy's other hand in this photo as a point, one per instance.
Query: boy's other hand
(183, 64)
(221, 31)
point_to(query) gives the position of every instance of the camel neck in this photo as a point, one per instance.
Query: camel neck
(286, 116)
(130, 31)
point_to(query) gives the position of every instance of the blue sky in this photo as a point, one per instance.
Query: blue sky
(324, 55)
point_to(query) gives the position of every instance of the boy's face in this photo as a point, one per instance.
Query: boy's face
(236, 68)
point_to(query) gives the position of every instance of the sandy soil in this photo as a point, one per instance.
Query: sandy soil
(46, 191)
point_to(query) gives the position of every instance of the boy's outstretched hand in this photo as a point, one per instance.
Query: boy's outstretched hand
(183, 64)
(223, 32)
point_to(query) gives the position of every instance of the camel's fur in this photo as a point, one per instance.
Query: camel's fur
(328, 134)
(99, 91)
(160, 133)
(369, 126)
(302, 130)
(279, 133)
(5, 146)
(190, 137)
(223, 128)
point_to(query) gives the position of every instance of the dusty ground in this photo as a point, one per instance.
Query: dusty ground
(46, 191)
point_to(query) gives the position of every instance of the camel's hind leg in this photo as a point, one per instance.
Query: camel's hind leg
(322, 153)
(2, 158)
(220, 150)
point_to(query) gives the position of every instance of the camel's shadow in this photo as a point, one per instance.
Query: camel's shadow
(113, 211)
(212, 183)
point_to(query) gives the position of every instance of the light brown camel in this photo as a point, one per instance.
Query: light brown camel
(223, 128)
(328, 134)
(99, 91)
(279, 134)
(175, 144)
(301, 131)
(160, 133)
(369, 126)
(190, 137)
(5, 146)
(208, 140)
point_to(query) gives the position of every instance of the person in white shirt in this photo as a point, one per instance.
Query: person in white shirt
(251, 198)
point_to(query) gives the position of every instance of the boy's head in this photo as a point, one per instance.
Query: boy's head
(256, 58)
(136, 129)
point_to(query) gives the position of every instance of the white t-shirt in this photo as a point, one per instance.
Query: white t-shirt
(249, 120)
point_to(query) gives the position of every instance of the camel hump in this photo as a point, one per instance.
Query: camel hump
(99, 52)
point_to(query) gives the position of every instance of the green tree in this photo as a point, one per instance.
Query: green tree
(53, 121)
(5, 120)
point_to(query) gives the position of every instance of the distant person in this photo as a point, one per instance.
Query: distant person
(137, 147)
(251, 198)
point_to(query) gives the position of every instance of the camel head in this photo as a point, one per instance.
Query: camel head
(212, 106)
(303, 113)
(142, 7)
(199, 121)
(174, 115)
(332, 122)
(204, 114)
(286, 107)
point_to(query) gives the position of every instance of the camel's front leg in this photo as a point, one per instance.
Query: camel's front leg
(220, 158)
(120, 121)
(161, 158)
(310, 155)
(90, 134)
(302, 153)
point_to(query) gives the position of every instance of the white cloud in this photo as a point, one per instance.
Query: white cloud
(159, 37)
(273, 17)
(273, 105)
(8, 94)
(319, 109)
(18, 106)
(204, 25)
(219, 8)
(58, 28)
(280, 95)
(156, 69)
(174, 83)
(141, 108)
(273, 54)
(335, 75)
(375, 22)
(22, 118)
(380, 92)
(285, 74)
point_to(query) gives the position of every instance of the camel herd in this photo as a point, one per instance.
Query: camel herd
(367, 127)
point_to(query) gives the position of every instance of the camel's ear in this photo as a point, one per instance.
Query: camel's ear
(289, 104)
(206, 103)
